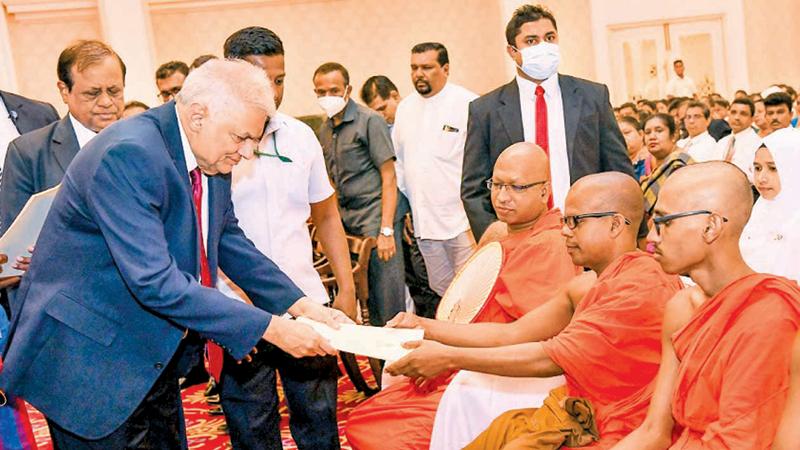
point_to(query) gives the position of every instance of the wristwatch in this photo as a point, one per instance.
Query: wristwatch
(387, 231)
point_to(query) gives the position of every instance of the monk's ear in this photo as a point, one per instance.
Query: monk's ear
(713, 228)
(617, 225)
(545, 192)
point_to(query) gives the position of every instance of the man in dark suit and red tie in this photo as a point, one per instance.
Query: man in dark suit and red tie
(570, 118)
(121, 285)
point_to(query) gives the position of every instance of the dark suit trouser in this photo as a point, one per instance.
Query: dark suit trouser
(425, 299)
(157, 423)
(387, 288)
(249, 398)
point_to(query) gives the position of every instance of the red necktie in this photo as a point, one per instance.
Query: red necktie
(542, 139)
(214, 354)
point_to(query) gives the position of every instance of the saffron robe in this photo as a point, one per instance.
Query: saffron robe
(610, 351)
(535, 265)
(735, 355)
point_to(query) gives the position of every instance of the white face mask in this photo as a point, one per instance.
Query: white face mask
(540, 61)
(331, 104)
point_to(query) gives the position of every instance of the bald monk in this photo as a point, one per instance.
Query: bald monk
(535, 266)
(727, 350)
(601, 331)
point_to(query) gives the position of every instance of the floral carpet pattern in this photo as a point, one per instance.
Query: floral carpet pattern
(202, 428)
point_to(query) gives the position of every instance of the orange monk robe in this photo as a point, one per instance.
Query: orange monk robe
(611, 350)
(735, 355)
(535, 265)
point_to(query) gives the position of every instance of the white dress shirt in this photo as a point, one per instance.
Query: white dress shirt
(744, 149)
(701, 148)
(8, 131)
(83, 134)
(273, 198)
(556, 131)
(429, 136)
(681, 87)
(191, 164)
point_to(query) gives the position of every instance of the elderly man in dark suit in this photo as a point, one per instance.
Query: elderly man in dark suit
(121, 286)
(91, 79)
(570, 118)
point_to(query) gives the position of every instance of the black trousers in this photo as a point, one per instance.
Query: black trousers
(249, 398)
(157, 423)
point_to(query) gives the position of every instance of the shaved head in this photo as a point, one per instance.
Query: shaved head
(523, 169)
(608, 208)
(717, 200)
(525, 158)
(610, 191)
(716, 186)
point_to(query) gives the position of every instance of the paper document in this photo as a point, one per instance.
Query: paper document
(25, 229)
(374, 342)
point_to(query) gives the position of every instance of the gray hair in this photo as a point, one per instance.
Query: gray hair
(223, 85)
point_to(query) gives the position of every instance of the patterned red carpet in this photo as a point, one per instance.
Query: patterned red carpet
(203, 429)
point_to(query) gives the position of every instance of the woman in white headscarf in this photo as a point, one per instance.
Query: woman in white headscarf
(770, 242)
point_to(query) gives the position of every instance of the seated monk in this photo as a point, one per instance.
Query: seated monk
(725, 371)
(601, 331)
(535, 266)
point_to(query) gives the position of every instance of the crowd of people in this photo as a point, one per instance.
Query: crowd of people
(648, 255)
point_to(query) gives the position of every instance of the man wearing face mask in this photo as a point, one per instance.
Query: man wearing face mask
(570, 118)
(360, 160)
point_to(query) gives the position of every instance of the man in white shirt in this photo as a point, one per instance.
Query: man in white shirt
(681, 85)
(740, 146)
(428, 135)
(778, 107)
(699, 145)
(91, 80)
(273, 196)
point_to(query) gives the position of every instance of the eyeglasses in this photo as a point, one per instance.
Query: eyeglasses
(169, 94)
(665, 220)
(277, 154)
(572, 222)
(515, 188)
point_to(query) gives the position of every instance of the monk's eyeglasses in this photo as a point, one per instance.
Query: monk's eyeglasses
(515, 188)
(665, 220)
(572, 222)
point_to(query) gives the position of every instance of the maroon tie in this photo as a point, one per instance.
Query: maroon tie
(214, 354)
(542, 139)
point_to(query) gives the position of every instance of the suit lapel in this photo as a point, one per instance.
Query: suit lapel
(572, 101)
(170, 131)
(510, 112)
(64, 144)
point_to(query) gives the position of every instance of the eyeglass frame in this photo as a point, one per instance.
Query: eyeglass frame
(577, 218)
(664, 220)
(515, 188)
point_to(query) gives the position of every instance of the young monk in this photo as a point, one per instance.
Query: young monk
(728, 341)
(535, 266)
(601, 331)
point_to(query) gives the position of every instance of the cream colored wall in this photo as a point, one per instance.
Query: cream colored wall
(35, 46)
(367, 36)
(772, 44)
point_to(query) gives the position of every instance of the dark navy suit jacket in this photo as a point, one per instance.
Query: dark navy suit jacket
(28, 114)
(112, 285)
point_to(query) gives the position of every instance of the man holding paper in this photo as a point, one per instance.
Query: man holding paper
(141, 224)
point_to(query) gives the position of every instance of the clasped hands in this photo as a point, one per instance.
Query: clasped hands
(299, 339)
